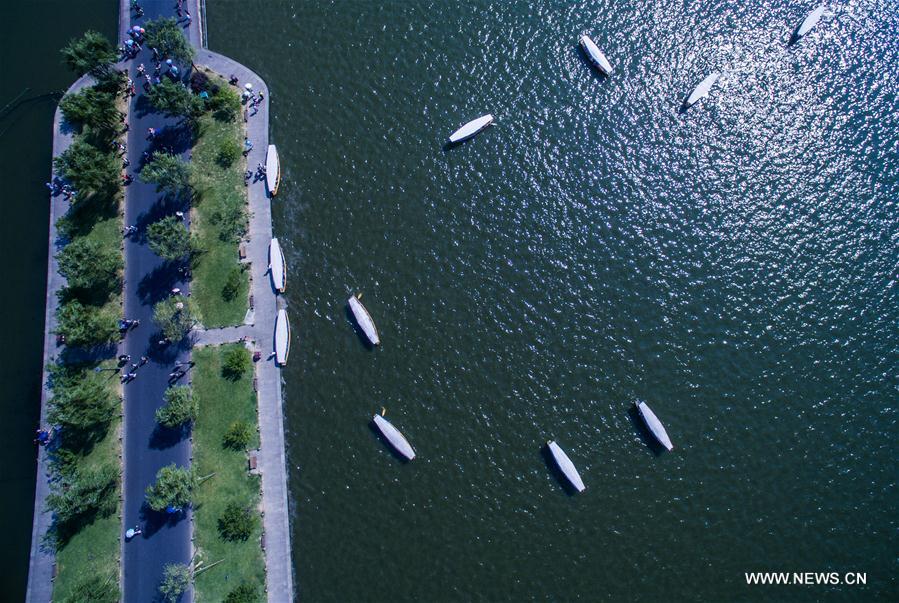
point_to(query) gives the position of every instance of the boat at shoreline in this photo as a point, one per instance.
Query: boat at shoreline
(470, 129)
(810, 21)
(282, 337)
(566, 466)
(272, 170)
(595, 54)
(702, 90)
(364, 320)
(277, 266)
(393, 435)
(654, 425)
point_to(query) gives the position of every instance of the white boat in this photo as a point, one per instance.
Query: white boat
(277, 266)
(393, 435)
(363, 319)
(471, 128)
(272, 170)
(702, 90)
(810, 21)
(655, 426)
(282, 337)
(595, 54)
(567, 467)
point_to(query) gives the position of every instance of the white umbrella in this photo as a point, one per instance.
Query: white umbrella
(248, 86)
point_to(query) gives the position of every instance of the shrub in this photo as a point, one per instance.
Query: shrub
(180, 407)
(237, 523)
(238, 436)
(232, 284)
(224, 103)
(174, 487)
(243, 593)
(236, 362)
(228, 153)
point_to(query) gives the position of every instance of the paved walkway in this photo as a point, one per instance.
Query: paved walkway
(42, 560)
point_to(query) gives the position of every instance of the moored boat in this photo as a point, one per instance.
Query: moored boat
(654, 425)
(272, 170)
(277, 266)
(282, 337)
(393, 435)
(810, 21)
(566, 466)
(471, 128)
(702, 90)
(364, 320)
(595, 54)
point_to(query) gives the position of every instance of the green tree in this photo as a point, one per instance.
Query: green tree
(176, 316)
(243, 593)
(224, 103)
(91, 53)
(169, 173)
(230, 217)
(76, 498)
(98, 588)
(180, 407)
(95, 109)
(169, 239)
(92, 172)
(86, 326)
(175, 580)
(237, 522)
(174, 487)
(89, 265)
(228, 152)
(174, 100)
(238, 436)
(236, 362)
(83, 404)
(166, 36)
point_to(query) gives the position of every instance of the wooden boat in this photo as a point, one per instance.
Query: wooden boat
(655, 426)
(393, 435)
(596, 55)
(272, 170)
(471, 128)
(702, 90)
(277, 266)
(282, 337)
(810, 21)
(567, 467)
(363, 319)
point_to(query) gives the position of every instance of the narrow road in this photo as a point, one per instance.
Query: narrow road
(148, 279)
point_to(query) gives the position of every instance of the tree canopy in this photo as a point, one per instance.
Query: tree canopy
(83, 494)
(180, 407)
(89, 265)
(238, 436)
(174, 100)
(176, 316)
(83, 404)
(91, 53)
(86, 326)
(174, 487)
(95, 109)
(91, 171)
(169, 173)
(237, 522)
(175, 580)
(169, 239)
(243, 593)
(166, 36)
(236, 362)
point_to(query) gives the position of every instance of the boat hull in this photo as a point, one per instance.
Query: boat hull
(393, 435)
(364, 320)
(272, 170)
(596, 55)
(654, 425)
(702, 90)
(475, 126)
(282, 337)
(278, 266)
(809, 22)
(566, 466)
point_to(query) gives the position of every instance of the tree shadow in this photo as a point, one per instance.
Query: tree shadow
(175, 139)
(166, 437)
(157, 284)
(154, 521)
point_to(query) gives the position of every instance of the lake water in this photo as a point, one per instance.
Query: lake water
(733, 265)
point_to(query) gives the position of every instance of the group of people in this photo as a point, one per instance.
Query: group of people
(256, 176)
(130, 373)
(58, 185)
